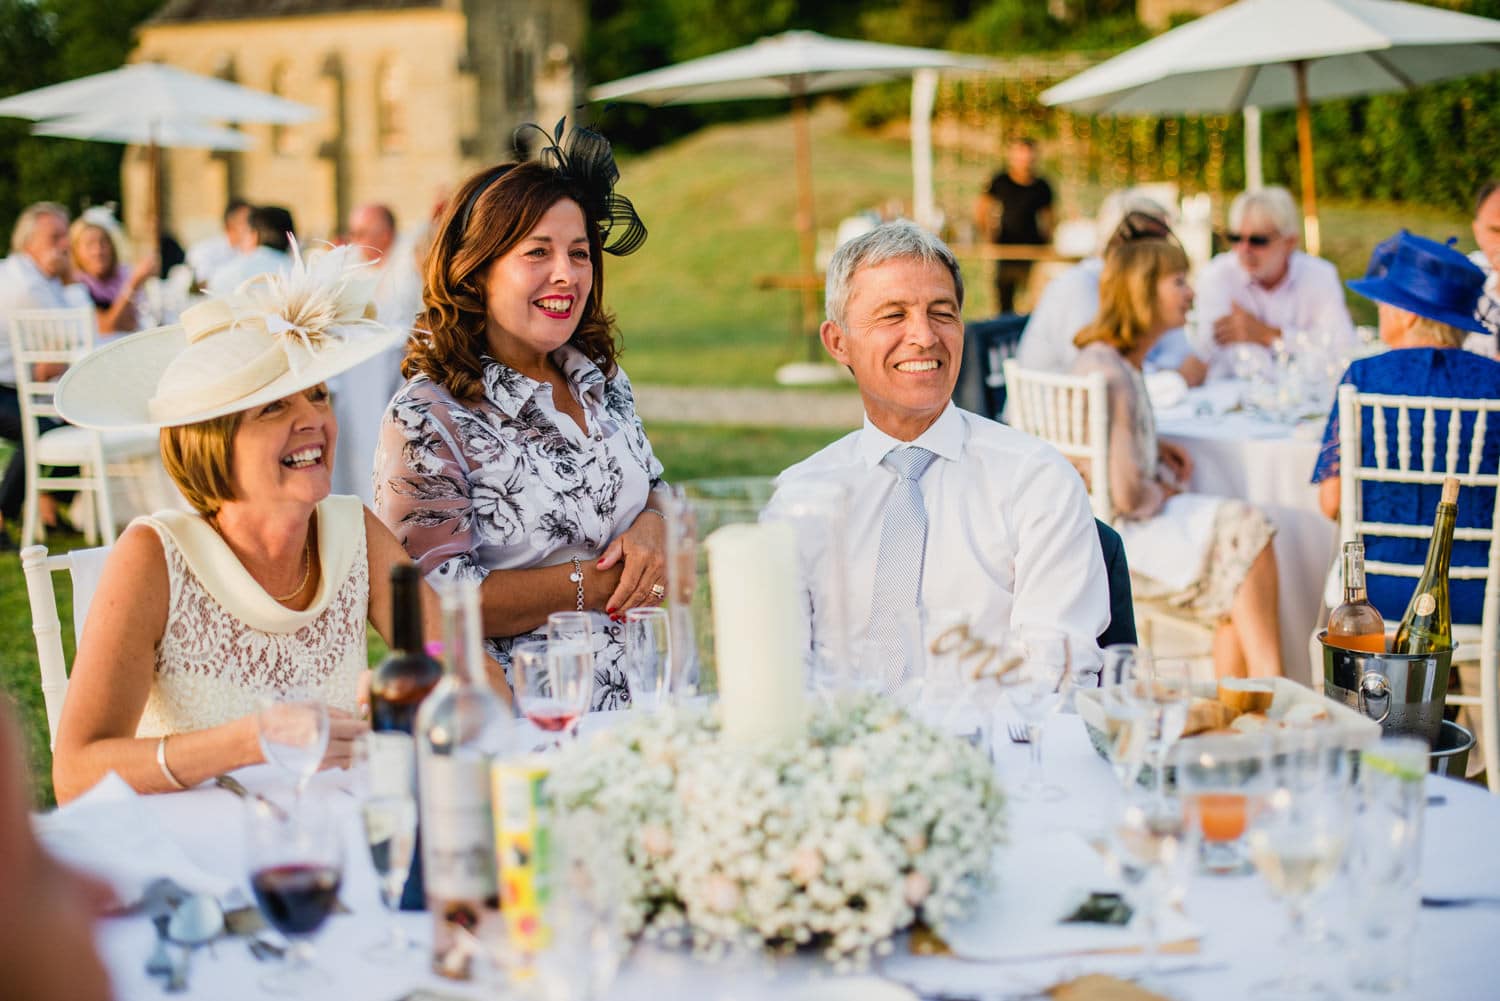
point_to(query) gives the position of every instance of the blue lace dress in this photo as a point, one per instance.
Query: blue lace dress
(1450, 372)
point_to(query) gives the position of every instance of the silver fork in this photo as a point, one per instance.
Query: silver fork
(1018, 733)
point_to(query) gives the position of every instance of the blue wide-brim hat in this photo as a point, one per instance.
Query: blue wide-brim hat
(1426, 278)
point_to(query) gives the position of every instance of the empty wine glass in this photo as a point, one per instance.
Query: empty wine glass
(1036, 689)
(648, 656)
(292, 728)
(553, 683)
(384, 766)
(296, 866)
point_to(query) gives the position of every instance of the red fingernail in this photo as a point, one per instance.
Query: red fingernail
(609, 611)
(600, 563)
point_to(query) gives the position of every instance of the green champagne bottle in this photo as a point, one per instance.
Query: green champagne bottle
(1427, 625)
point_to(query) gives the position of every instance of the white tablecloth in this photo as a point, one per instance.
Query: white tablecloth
(1270, 465)
(1456, 954)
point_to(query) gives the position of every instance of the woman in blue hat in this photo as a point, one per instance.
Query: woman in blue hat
(1427, 294)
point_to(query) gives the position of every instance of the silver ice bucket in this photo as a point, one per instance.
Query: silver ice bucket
(1450, 755)
(1404, 693)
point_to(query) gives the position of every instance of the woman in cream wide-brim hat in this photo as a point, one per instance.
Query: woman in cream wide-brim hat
(268, 586)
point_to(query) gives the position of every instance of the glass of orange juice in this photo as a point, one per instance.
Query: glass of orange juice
(1223, 779)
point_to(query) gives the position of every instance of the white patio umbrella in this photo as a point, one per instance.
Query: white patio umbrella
(148, 104)
(1280, 53)
(794, 65)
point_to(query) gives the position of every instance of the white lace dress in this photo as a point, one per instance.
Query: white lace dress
(227, 642)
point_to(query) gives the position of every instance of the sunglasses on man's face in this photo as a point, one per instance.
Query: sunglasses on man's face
(1254, 239)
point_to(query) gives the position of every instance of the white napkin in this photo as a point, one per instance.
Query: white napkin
(1172, 547)
(109, 833)
(1166, 389)
(1038, 883)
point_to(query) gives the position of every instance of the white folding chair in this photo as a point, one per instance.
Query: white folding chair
(85, 565)
(1415, 462)
(60, 337)
(1071, 412)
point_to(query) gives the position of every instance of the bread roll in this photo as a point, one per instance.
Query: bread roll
(1247, 695)
(1250, 723)
(1206, 714)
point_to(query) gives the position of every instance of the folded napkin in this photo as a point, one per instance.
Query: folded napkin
(110, 833)
(1038, 883)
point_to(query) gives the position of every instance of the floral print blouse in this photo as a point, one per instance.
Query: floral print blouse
(510, 482)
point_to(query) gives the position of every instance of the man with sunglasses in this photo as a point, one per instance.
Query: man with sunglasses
(1264, 286)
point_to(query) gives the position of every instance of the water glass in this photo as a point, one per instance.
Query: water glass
(1122, 693)
(384, 767)
(892, 660)
(1037, 688)
(1165, 696)
(1385, 855)
(648, 657)
(296, 867)
(682, 585)
(1224, 779)
(553, 683)
(818, 513)
(292, 728)
(1144, 848)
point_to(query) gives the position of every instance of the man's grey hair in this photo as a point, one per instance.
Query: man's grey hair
(891, 241)
(1274, 204)
(26, 223)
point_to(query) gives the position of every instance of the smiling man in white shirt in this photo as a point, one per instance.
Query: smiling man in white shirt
(948, 511)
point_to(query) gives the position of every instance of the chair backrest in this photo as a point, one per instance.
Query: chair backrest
(85, 565)
(1072, 413)
(46, 336)
(988, 344)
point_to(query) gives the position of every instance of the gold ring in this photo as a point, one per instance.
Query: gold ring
(658, 591)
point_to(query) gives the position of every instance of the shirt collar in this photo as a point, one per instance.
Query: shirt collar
(945, 438)
(510, 390)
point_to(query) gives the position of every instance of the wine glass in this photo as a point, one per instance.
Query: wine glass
(891, 659)
(296, 866)
(571, 627)
(1296, 841)
(553, 683)
(1036, 689)
(1144, 848)
(1224, 778)
(1165, 694)
(1127, 724)
(648, 654)
(384, 767)
(292, 728)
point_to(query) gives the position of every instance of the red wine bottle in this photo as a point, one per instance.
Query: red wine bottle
(402, 680)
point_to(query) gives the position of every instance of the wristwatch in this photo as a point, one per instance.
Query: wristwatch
(577, 578)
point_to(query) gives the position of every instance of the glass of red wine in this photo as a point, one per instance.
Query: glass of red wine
(296, 865)
(553, 682)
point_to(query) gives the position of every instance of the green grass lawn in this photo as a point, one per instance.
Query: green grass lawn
(687, 451)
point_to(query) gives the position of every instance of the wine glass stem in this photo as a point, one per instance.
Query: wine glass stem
(1034, 734)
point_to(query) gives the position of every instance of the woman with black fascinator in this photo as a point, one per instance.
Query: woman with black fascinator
(513, 453)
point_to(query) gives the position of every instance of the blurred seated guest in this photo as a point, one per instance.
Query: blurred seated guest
(1071, 300)
(209, 255)
(32, 277)
(361, 394)
(47, 910)
(513, 454)
(1487, 259)
(947, 510)
(95, 242)
(1427, 294)
(268, 585)
(1266, 289)
(1209, 557)
(265, 251)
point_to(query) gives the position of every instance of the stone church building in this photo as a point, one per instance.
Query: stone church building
(413, 96)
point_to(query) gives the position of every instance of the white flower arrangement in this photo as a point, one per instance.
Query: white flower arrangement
(839, 840)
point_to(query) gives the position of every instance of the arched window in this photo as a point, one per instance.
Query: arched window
(390, 105)
(282, 136)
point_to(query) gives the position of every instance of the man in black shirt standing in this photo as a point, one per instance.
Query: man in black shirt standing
(1016, 208)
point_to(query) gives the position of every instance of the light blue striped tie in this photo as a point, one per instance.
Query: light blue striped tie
(898, 564)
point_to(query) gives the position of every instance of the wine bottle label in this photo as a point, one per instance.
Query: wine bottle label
(458, 838)
(392, 763)
(1425, 604)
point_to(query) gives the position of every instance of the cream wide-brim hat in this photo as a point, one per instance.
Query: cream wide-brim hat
(225, 356)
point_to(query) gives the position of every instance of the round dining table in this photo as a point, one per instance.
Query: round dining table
(1240, 453)
(1239, 926)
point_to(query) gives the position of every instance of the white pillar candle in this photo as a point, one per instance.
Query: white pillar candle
(760, 631)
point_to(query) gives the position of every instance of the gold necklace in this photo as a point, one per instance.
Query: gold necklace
(306, 572)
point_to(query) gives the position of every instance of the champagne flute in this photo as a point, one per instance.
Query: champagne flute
(553, 683)
(384, 766)
(648, 654)
(292, 728)
(296, 866)
(1037, 688)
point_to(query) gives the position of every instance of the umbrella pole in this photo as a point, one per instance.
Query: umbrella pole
(1312, 238)
(802, 143)
(153, 199)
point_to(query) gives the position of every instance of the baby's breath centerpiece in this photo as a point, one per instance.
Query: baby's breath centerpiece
(836, 839)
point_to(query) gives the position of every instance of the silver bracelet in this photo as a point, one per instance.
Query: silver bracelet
(652, 510)
(577, 578)
(161, 762)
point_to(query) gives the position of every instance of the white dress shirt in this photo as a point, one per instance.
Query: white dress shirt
(207, 256)
(1067, 305)
(260, 261)
(1310, 298)
(1010, 538)
(23, 286)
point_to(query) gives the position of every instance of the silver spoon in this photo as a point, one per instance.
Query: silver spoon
(198, 920)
